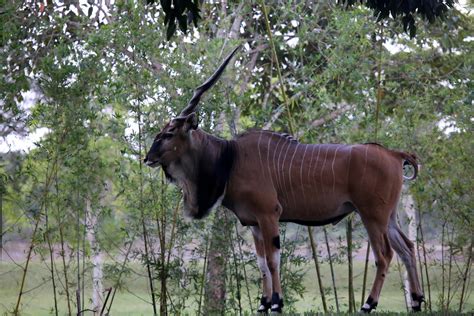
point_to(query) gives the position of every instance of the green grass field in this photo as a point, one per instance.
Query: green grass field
(38, 298)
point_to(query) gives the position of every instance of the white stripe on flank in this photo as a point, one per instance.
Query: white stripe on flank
(378, 160)
(283, 172)
(322, 169)
(365, 164)
(290, 173)
(280, 172)
(301, 172)
(332, 169)
(316, 169)
(275, 166)
(349, 164)
(321, 175)
(268, 162)
(259, 153)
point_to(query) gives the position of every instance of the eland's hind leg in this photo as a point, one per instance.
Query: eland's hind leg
(265, 300)
(379, 240)
(405, 249)
(271, 240)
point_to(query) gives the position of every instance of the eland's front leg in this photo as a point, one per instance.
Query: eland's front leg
(265, 300)
(271, 241)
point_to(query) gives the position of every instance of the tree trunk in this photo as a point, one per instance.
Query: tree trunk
(1, 223)
(409, 208)
(215, 289)
(96, 258)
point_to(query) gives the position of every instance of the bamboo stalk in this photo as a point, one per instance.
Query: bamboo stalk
(33, 237)
(277, 64)
(83, 273)
(142, 213)
(450, 241)
(51, 258)
(122, 269)
(350, 266)
(203, 279)
(162, 239)
(243, 268)
(465, 277)
(402, 279)
(316, 265)
(443, 307)
(332, 268)
(425, 261)
(366, 268)
(399, 268)
(63, 255)
(2, 191)
(78, 259)
(237, 279)
(420, 263)
(61, 236)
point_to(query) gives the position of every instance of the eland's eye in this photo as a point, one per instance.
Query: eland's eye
(167, 135)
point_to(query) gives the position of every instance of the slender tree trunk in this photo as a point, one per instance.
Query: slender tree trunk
(96, 258)
(236, 268)
(443, 306)
(465, 282)
(142, 212)
(316, 265)
(1, 221)
(332, 268)
(450, 265)
(243, 268)
(203, 279)
(215, 290)
(16, 311)
(122, 270)
(420, 227)
(78, 259)
(366, 268)
(350, 266)
(161, 227)
(65, 269)
(51, 258)
(409, 207)
(37, 220)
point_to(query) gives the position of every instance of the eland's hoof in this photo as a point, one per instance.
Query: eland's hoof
(277, 304)
(265, 305)
(368, 306)
(416, 302)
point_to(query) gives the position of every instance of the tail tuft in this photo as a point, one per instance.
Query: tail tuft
(410, 159)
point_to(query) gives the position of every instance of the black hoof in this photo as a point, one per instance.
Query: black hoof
(417, 300)
(277, 304)
(369, 306)
(265, 305)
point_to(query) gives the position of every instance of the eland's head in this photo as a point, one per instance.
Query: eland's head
(174, 140)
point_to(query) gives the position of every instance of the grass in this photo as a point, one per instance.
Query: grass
(38, 298)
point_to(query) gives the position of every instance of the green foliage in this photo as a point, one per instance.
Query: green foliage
(106, 86)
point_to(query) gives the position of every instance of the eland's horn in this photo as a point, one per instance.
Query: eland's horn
(206, 85)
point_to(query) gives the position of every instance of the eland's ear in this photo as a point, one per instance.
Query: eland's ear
(186, 123)
(191, 122)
